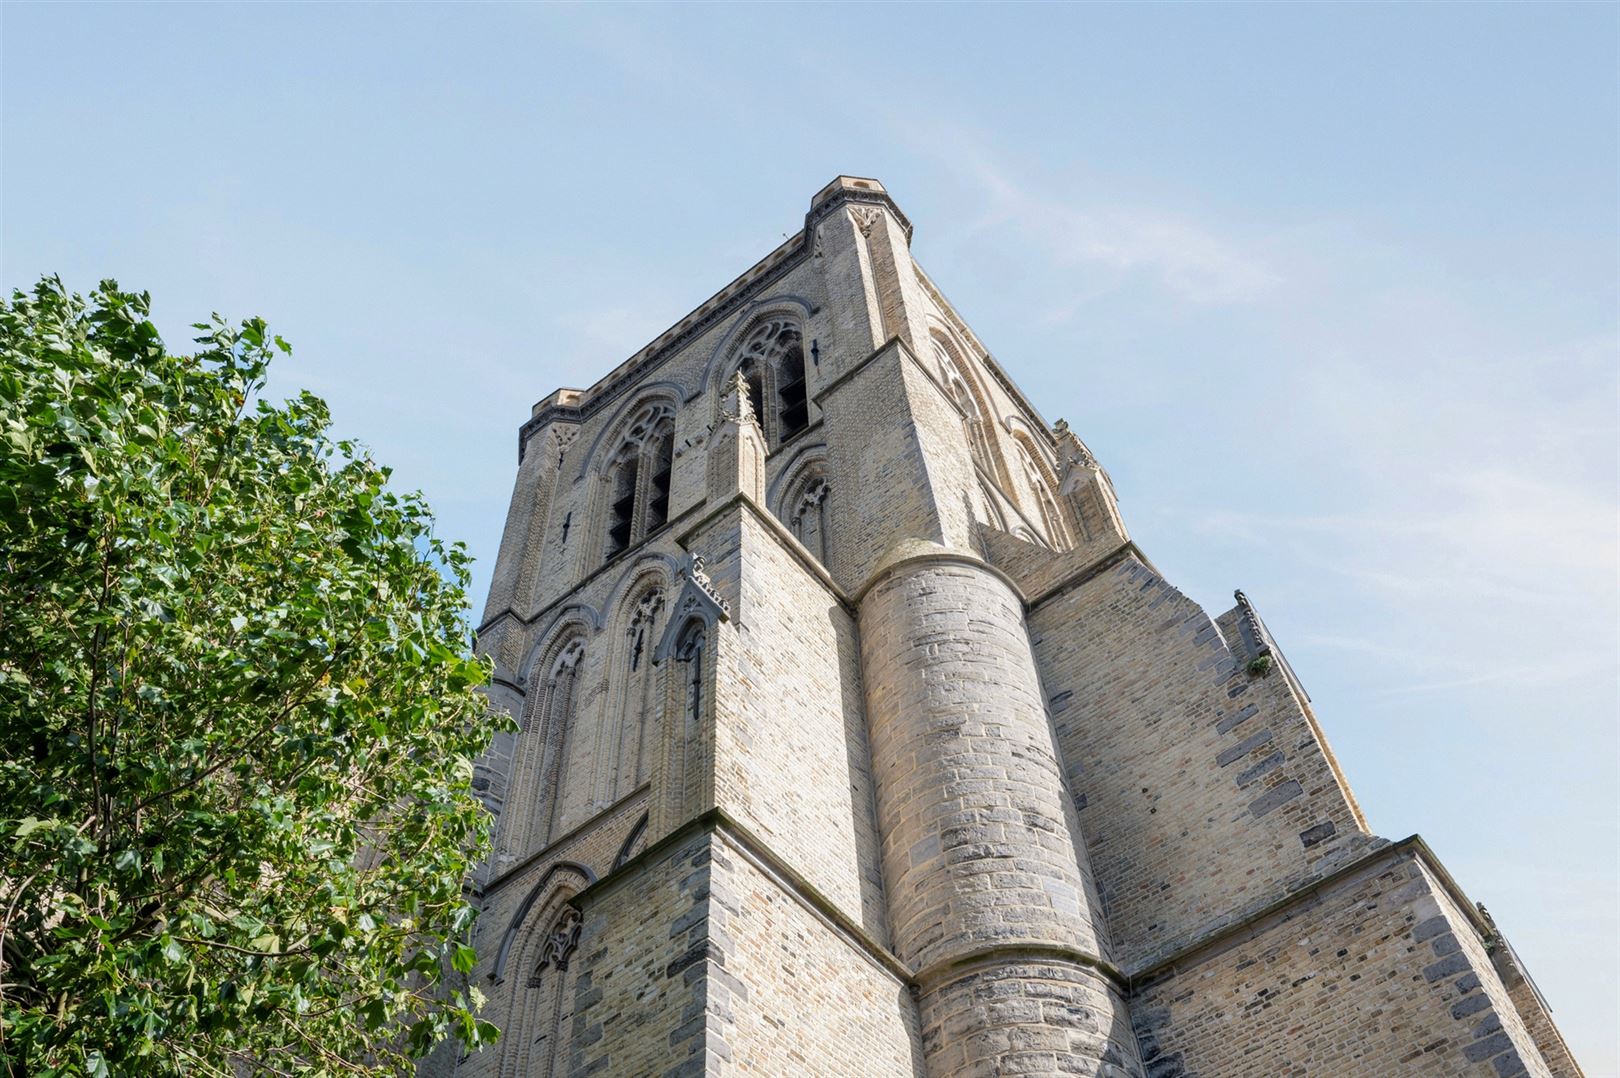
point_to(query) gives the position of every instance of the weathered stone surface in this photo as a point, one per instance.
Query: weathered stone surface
(820, 638)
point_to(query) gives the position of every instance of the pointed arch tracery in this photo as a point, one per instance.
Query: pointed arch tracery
(635, 478)
(1041, 485)
(968, 396)
(539, 945)
(769, 354)
(802, 503)
(557, 944)
(698, 609)
(539, 770)
(625, 756)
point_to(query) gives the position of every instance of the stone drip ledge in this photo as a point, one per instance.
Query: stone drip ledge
(1262, 920)
(778, 531)
(561, 842)
(717, 821)
(693, 519)
(955, 968)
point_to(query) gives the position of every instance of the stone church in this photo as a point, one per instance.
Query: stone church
(858, 738)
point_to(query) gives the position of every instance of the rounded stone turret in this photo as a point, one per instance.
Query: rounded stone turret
(988, 900)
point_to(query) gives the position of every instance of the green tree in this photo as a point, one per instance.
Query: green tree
(238, 716)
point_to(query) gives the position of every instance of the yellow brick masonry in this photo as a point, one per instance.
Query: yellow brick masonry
(938, 799)
(1379, 972)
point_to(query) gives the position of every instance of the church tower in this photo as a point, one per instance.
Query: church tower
(858, 738)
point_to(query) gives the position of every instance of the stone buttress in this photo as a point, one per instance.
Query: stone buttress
(858, 738)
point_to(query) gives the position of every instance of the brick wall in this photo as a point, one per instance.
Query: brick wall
(791, 758)
(933, 817)
(642, 988)
(1202, 792)
(1377, 975)
(792, 995)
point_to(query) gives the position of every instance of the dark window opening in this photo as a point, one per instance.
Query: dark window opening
(793, 408)
(658, 493)
(622, 509)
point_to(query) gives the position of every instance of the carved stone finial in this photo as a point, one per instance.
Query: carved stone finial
(696, 597)
(1071, 450)
(744, 405)
(737, 445)
(864, 217)
(696, 571)
(736, 403)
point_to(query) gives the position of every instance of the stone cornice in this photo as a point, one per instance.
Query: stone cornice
(722, 304)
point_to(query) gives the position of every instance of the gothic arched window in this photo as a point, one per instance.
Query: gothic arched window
(792, 407)
(557, 716)
(1045, 503)
(689, 653)
(771, 360)
(538, 771)
(973, 426)
(637, 712)
(558, 944)
(622, 501)
(638, 480)
(542, 1017)
(808, 517)
(661, 456)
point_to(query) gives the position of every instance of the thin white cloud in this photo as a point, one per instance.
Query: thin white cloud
(1190, 260)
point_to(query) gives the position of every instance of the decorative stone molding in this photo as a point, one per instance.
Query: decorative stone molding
(696, 598)
(1071, 450)
(646, 610)
(561, 439)
(1258, 640)
(865, 218)
(580, 405)
(559, 943)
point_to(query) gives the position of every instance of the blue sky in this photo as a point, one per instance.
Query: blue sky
(1331, 290)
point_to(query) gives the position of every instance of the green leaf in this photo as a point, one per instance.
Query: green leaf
(168, 773)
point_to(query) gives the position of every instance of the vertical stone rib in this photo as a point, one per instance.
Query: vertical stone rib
(987, 896)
